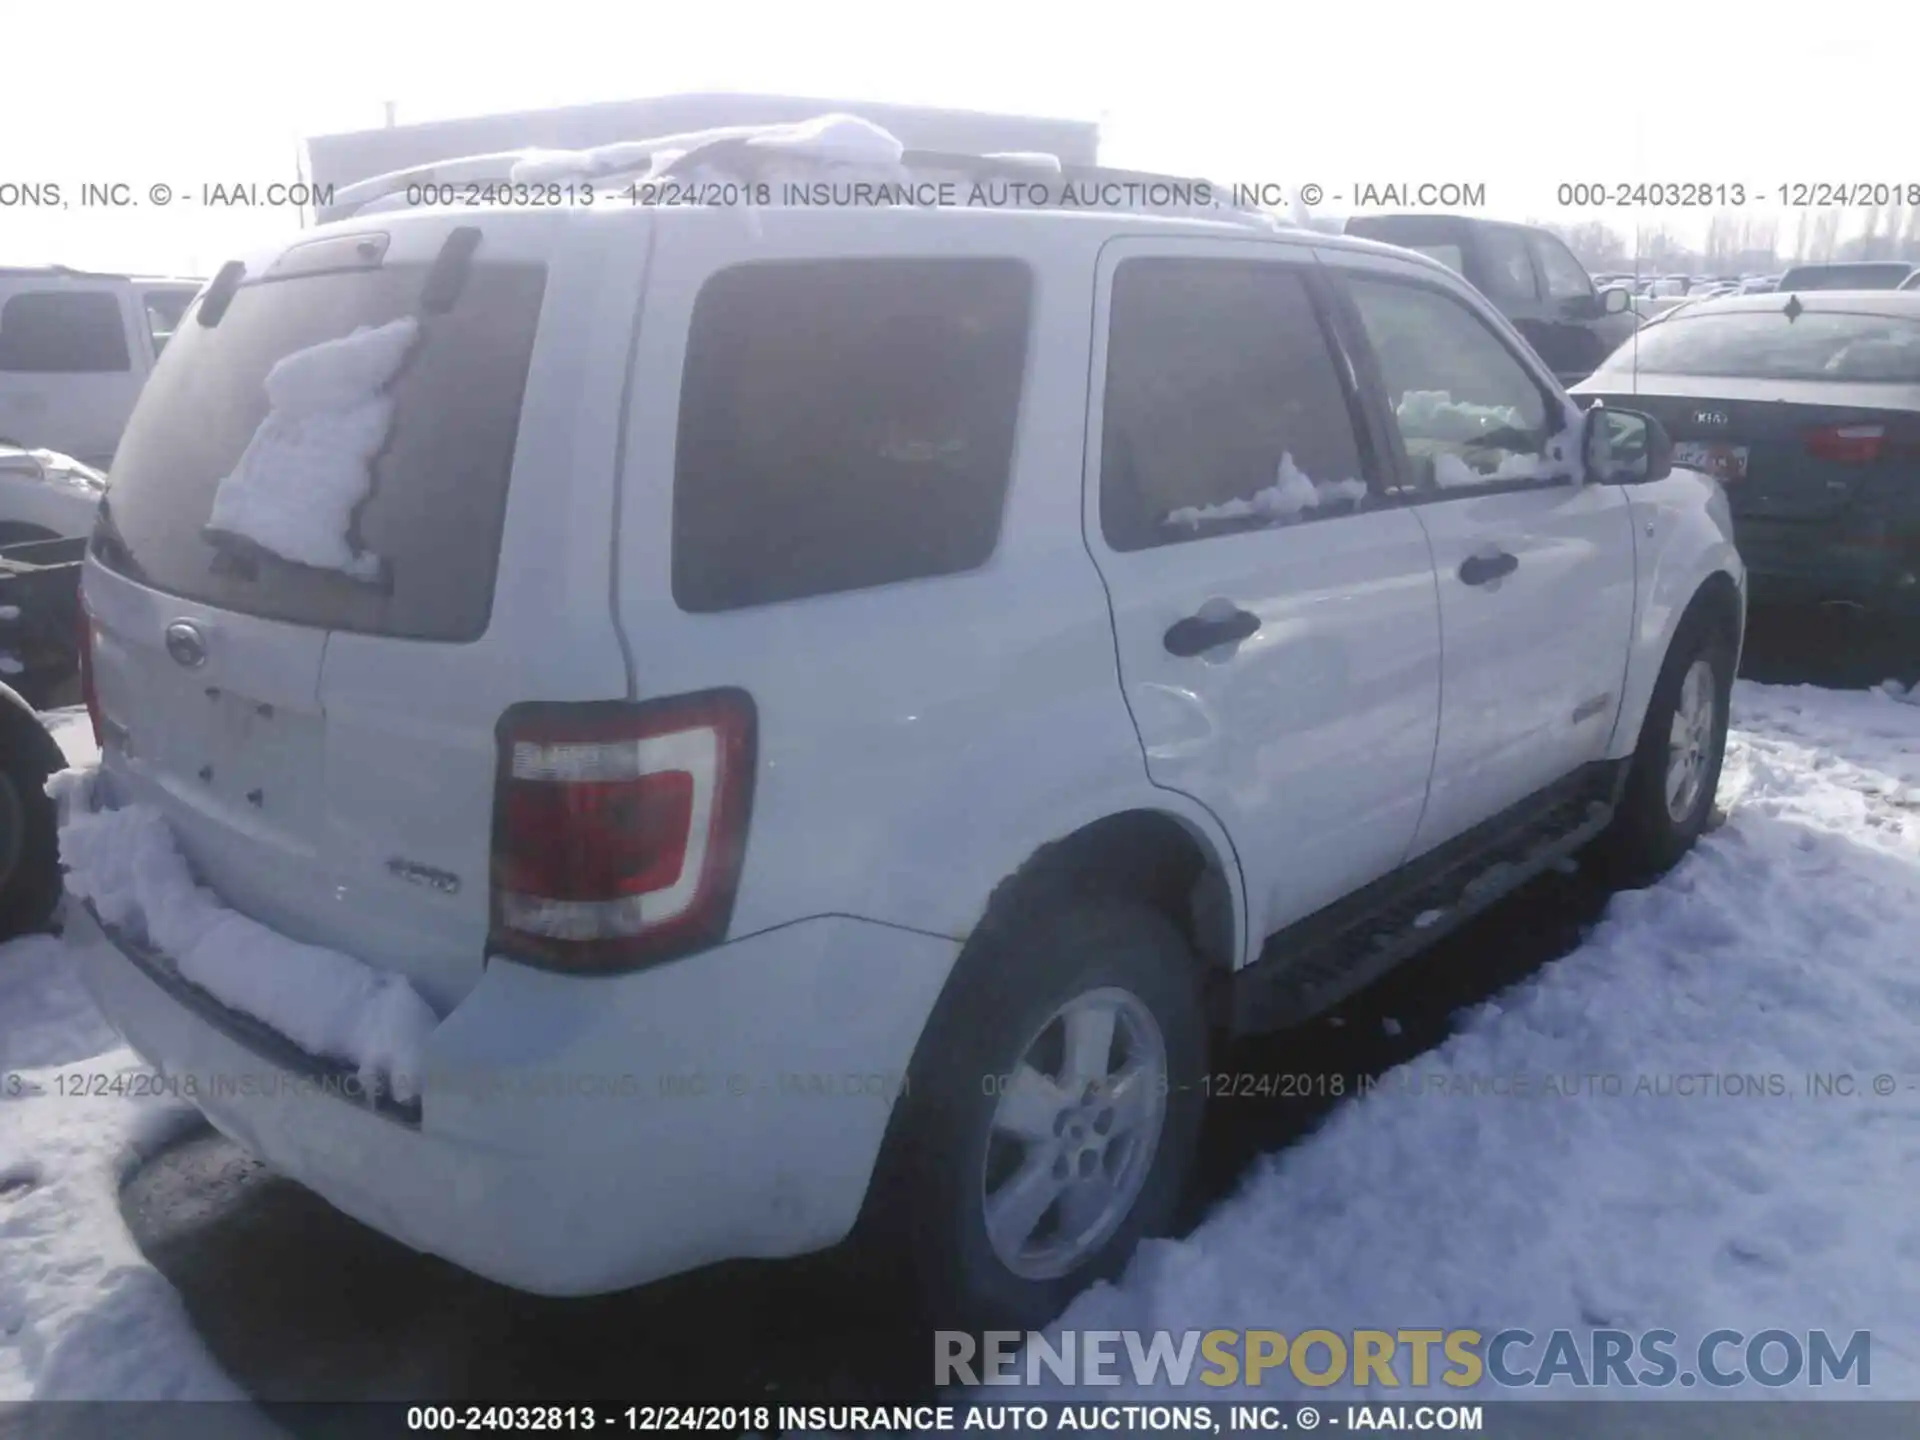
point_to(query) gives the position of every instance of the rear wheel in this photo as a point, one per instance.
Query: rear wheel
(1058, 1115)
(1676, 767)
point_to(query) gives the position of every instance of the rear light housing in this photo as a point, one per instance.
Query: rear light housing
(1847, 444)
(619, 828)
(88, 694)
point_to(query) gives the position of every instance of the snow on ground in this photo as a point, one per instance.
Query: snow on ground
(82, 1314)
(1784, 946)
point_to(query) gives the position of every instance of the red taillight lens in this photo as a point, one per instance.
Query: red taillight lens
(88, 695)
(1847, 444)
(619, 829)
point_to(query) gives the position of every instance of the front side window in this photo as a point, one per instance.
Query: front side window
(1224, 406)
(1565, 277)
(164, 309)
(63, 332)
(845, 424)
(1470, 415)
(1508, 276)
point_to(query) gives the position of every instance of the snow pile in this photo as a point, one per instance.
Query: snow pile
(843, 141)
(1291, 495)
(1782, 946)
(1435, 417)
(82, 1315)
(125, 862)
(309, 464)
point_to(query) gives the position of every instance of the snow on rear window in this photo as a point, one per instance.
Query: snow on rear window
(309, 465)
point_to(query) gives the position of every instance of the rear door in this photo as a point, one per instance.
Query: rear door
(71, 365)
(1275, 612)
(1535, 569)
(321, 741)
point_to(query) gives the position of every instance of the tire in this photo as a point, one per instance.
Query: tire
(29, 849)
(1661, 813)
(1039, 976)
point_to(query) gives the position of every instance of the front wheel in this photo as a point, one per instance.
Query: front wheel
(1676, 767)
(1061, 1116)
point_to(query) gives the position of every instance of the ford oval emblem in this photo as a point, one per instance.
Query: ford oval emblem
(186, 644)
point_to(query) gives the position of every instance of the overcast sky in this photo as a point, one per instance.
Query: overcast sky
(1518, 97)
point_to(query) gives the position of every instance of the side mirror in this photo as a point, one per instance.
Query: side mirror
(1614, 300)
(1624, 447)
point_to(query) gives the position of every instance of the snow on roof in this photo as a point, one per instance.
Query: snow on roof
(834, 139)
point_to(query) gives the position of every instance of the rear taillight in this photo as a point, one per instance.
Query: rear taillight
(619, 829)
(1847, 444)
(88, 695)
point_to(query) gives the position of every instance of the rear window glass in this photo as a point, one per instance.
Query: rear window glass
(1846, 277)
(439, 489)
(63, 332)
(845, 424)
(1766, 345)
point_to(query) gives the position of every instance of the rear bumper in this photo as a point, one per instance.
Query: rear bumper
(584, 1135)
(1814, 565)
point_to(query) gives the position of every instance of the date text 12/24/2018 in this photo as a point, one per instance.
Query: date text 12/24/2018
(1725, 195)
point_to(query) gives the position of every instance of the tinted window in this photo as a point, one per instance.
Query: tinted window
(1469, 413)
(1565, 276)
(439, 487)
(845, 424)
(1224, 409)
(62, 332)
(1508, 271)
(1766, 345)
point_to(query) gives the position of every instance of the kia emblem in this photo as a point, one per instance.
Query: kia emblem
(1710, 417)
(186, 644)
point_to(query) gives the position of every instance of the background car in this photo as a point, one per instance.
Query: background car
(1853, 275)
(76, 346)
(1912, 282)
(1807, 410)
(45, 495)
(1529, 273)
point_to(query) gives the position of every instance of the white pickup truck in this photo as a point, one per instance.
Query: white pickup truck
(76, 347)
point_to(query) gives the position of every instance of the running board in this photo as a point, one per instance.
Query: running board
(1317, 962)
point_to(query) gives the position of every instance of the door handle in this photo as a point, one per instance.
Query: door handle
(1485, 569)
(1198, 634)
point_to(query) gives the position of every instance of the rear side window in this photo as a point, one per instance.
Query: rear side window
(439, 491)
(1224, 409)
(63, 332)
(845, 424)
(1767, 345)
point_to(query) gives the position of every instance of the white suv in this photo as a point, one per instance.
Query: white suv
(839, 711)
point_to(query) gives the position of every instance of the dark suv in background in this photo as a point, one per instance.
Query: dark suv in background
(1534, 279)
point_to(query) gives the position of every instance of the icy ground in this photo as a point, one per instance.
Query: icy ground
(1785, 945)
